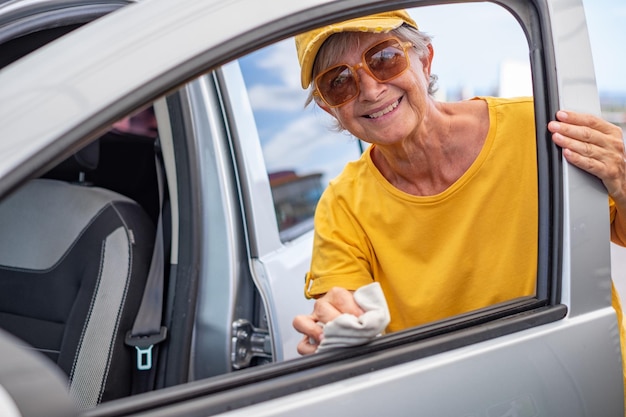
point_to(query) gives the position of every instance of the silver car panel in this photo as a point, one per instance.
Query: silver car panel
(278, 270)
(519, 373)
(586, 255)
(220, 233)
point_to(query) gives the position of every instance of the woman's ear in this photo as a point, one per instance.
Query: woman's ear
(427, 61)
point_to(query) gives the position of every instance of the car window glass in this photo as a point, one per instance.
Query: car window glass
(485, 56)
(302, 152)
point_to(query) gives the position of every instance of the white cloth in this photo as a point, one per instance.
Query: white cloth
(350, 330)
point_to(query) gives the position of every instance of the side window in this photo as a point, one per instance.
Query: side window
(484, 56)
(302, 151)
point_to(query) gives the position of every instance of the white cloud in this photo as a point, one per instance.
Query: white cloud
(276, 98)
(287, 95)
(468, 52)
(307, 145)
(283, 60)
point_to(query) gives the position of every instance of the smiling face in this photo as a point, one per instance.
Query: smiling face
(383, 113)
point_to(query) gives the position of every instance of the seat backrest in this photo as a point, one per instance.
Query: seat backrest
(73, 264)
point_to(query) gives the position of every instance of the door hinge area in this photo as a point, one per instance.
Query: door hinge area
(249, 343)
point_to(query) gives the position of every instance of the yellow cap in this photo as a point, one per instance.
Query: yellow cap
(309, 43)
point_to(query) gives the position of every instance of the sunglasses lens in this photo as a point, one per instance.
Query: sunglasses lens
(337, 85)
(386, 60)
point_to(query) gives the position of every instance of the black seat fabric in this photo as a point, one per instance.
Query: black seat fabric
(73, 265)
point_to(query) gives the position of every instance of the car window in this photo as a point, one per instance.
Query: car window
(487, 56)
(302, 152)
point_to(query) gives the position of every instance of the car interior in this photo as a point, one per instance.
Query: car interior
(75, 263)
(78, 244)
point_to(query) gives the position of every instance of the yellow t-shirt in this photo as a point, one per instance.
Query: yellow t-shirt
(617, 235)
(471, 246)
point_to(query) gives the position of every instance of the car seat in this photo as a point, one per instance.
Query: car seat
(73, 264)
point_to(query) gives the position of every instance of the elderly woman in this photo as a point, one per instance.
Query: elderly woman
(441, 205)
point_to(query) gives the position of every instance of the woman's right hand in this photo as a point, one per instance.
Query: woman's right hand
(335, 302)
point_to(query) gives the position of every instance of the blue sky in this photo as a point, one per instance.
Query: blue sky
(469, 53)
(606, 21)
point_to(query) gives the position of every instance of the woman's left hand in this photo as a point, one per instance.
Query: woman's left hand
(594, 145)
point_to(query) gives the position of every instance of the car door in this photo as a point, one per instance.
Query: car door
(523, 355)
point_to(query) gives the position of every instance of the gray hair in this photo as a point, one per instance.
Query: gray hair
(341, 43)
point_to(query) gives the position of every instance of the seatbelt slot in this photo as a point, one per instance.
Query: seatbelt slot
(144, 345)
(144, 358)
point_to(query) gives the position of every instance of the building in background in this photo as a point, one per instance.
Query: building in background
(295, 197)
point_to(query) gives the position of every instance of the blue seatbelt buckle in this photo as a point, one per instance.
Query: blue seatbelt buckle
(143, 346)
(144, 358)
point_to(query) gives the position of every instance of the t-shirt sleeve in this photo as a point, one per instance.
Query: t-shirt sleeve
(340, 249)
(618, 235)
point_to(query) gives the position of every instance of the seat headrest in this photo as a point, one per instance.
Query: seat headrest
(85, 160)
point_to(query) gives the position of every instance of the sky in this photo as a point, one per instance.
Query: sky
(606, 22)
(469, 54)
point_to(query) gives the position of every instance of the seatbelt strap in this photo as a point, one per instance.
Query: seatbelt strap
(147, 331)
